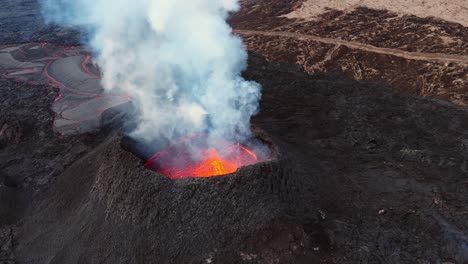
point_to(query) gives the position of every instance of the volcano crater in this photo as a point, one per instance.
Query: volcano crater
(189, 220)
(194, 156)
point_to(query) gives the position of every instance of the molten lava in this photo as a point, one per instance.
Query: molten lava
(178, 162)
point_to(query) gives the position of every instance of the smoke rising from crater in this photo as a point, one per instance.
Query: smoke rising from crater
(177, 59)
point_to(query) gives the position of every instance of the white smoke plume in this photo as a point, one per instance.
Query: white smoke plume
(177, 59)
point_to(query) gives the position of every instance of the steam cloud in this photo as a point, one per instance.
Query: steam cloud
(178, 59)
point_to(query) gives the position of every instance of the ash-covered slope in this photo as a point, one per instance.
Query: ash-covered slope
(365, 173)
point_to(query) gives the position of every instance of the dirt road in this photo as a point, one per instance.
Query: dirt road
(432, 57)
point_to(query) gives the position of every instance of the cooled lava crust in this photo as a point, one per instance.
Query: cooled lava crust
(81, 102)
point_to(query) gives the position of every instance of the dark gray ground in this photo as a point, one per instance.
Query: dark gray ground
(21, 22)
(364, 174)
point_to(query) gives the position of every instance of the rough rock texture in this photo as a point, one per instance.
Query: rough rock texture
(21, 22)
(366, 173)
(7, 244)
(378, 27)
(425, 56)
(31, 155)
(109, 196)
(389, 169)
(449, 10)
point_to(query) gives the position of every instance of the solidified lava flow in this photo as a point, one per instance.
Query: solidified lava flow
(81, 101)
(192, 157)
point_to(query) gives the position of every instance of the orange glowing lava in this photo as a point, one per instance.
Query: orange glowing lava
(177, 162)
(212, 165)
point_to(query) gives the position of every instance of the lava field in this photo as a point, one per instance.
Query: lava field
(81, 99)
(363, 154)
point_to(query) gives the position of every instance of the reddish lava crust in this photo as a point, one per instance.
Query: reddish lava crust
(41, 75)
(193, 157)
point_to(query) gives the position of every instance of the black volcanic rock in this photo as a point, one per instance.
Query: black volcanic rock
(21, 21)
(109, 196)
(348, 151)
(326, 44)
(365, 173)
(414, 167)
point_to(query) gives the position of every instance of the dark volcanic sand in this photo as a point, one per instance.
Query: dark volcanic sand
(364, 174)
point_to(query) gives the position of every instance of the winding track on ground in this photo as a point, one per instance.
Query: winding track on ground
(432, 57)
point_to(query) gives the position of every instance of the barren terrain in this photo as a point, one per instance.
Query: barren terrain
(449, 10)
(365, 110)
(420, 55)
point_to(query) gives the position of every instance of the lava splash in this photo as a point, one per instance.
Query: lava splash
(192, 157)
